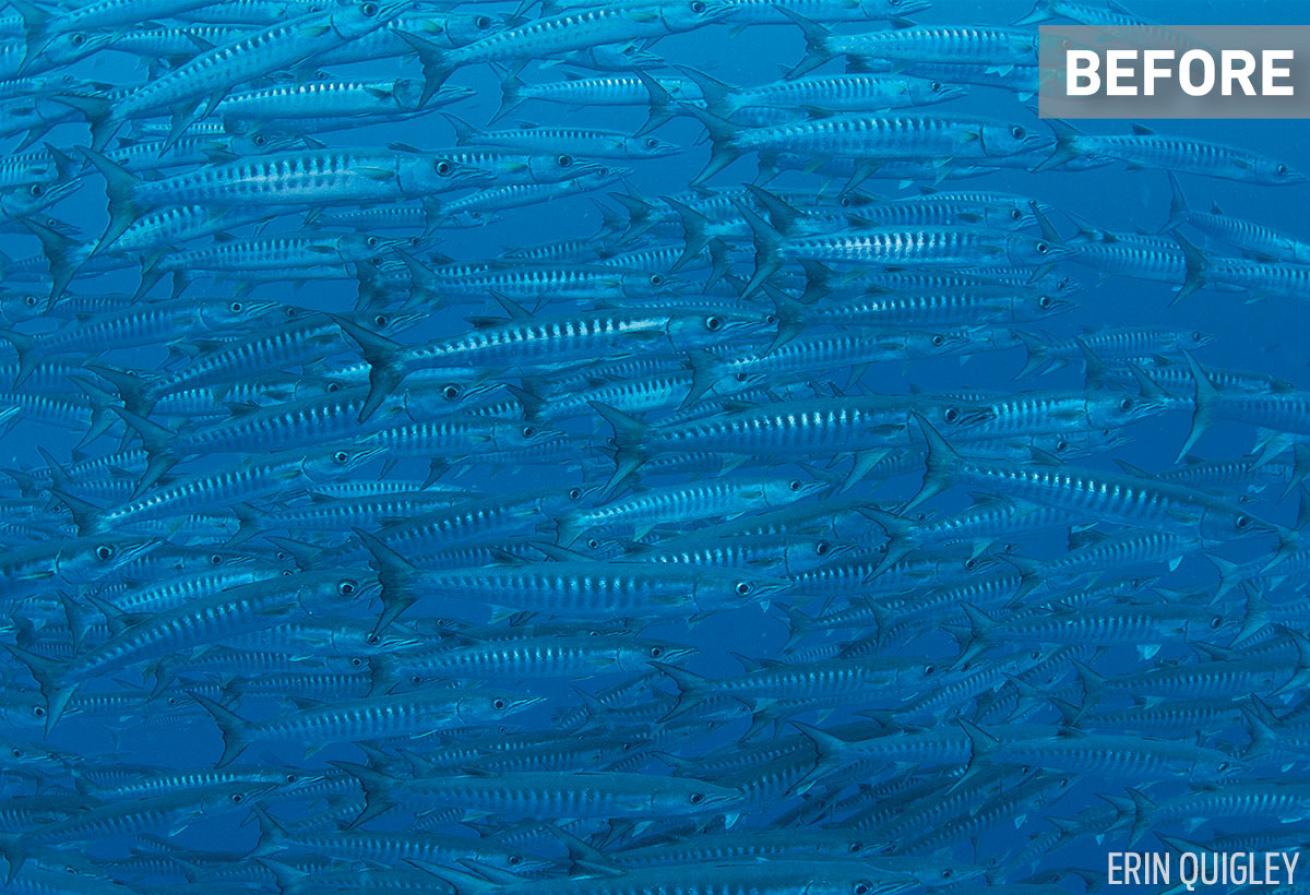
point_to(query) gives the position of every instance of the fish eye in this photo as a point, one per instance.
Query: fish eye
(529, 431)
(1042, 248)
(1242, 520)
(1017, 132)
(369, 9)
(259, 139)
(30, 301)
(1061, 445)
(938, 341)
(381, 320)
(373, 639)
(37, 190)
(971, 564)
(575, 493)
(105, 552)
(1197, 337)
(929, 669)
(947, 873)
(356, 662)
(743, 589)
(844, 201)
(340, 457)
(935, 86)
(1126, 404)
(38, 711)
(16, 753)
(740, 377)
(1016, 214)
(794, 484)
(822, 548)
(215, 559)
(444, 168)
(236, 307)
(656, 652)
(451, 391)
(593, 543)
(291, 778)
(697, 7)
(651, 142)
(498, 704)
(1217, 622)
(346, 587)
(697, 798)
(333, 387)
(713, 324)
(286, 573)
(78, 39)
(565, 161)
(856, 847)
(1223, 765)
(237, 798)
(603, 172)
(416, 679)
(1280, 170)
(952, 414)
(1045, 302)
(861, 888)
(656, 280)
(372, 242)
(515, 860)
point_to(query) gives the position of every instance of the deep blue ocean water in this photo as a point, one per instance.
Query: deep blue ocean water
(169, 731)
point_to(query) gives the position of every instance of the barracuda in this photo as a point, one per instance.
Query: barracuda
(213, 73)
(869, 139)
(1131, 500)
(1145, 149)
(554, 35)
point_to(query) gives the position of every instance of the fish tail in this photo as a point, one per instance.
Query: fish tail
(376, 787)
(723, 151)
(1066, 146)
(383, 356)
(120, 187)
(436, 68)
(768, 244)
(61, 256)
(511, 95)
(629, 432)
(1041, 12)
(829, 755)
(394, 572)
(232, 726)
(1197, 267)
(99, 114)
(718, 95)
(465, 132)
(816, 43)
(11, 849)
(695, 232)
(1203, 406)
(272, 834)
(662, 105)
(1038, 353)
(691, 688)
(49, 676)
(939, 465)
(1177, 205)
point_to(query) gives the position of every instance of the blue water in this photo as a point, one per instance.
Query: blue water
(56, 774)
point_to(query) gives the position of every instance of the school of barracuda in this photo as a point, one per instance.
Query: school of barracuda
(635, 562)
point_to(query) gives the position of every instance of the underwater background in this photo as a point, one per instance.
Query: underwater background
(456, 493)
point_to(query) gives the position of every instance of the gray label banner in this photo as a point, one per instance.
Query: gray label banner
(1152, 68)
